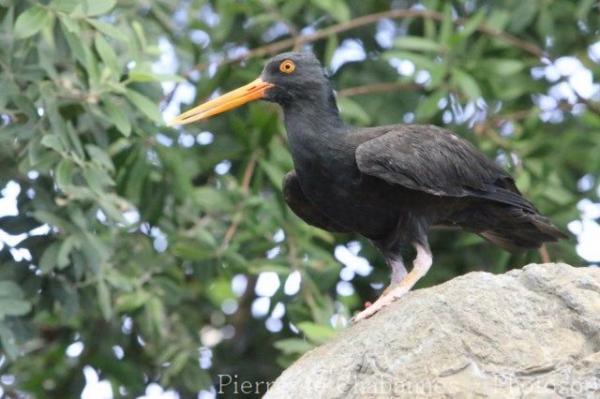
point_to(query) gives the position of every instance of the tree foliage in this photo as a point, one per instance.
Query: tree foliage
(130, 233)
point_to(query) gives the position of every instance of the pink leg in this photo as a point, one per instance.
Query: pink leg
(421, 265)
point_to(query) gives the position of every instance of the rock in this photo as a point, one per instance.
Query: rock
(532, 332)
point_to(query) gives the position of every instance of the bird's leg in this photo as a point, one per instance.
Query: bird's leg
(421, 265)
(398, 272)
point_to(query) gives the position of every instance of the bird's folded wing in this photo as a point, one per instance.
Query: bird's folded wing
(433, 160)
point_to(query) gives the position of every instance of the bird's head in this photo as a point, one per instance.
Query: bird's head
(287, 78)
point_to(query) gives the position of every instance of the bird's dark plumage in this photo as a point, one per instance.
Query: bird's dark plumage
(389, 183)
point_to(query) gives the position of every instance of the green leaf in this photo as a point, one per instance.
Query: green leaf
(104, 299)
(92, 8)
(53, 141)
(467, 84)
(9, 342)
(331, 46)
(131, 301)
(144, 104)
(10, 289)
(139, 75)
(66, 6)
(31, 22)
(99, 157)
(317, 333)
(49, 259)
(188, 249)
(97, 178)
(417, 43)
(338, 9)
(472, 24)
(522, 15)
(13, 307)
(352, 110)
(293, 345)
(108, 55)
(108, 30)
(118, 116)
(70, 24)
(62, 259)
(420, 61)
(428, 107)
(502, 67)
(64, 173)
(447, 25)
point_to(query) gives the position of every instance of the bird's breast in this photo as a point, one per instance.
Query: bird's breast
(353, 200)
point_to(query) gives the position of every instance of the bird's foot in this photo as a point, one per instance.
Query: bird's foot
(390, 295)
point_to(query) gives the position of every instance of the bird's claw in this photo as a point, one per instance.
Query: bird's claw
(383, 301)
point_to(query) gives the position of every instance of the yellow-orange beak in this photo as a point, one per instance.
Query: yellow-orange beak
(235, 98)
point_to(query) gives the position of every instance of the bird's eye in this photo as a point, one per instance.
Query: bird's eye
(287, 66)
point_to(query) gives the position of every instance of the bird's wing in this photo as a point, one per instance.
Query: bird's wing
(304, 209)
(433, 160)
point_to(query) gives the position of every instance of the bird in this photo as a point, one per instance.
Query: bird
(390, 184)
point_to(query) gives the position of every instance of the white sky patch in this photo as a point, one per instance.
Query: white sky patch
(404, 67)
(208, 15)
(239, 282)
(210, 394)
(118, 351)
(164, 139)
(20, 254)
(386, 30)
(94, 387)
(278, 311)
(161, 242)
(186, 140)
(260, 307)
(229, 306)
(292, 283)
(594, 52)
(587, 230)
(168, 64)
(222, 168)
(11, 240)
(210, 336)
(200, 38)
(185, 94)
(274, 325)
(422, 77)
(347, 274)
(344, 288)
(358, 264)
(338, 321)
(155, 391)
(276, 30)
(8, 201)
(279, 236)
(273, 252)
(205, 138)
(40, 231)
(350, 50)
(132, 216)
(205, 357)
(267, 284)
(75, 349)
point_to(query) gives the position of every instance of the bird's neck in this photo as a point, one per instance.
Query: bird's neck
(314, 120)
(317, 136)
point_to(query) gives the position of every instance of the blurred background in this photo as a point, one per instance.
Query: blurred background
(142, 261)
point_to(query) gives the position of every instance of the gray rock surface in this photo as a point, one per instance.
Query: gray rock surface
(532, 332)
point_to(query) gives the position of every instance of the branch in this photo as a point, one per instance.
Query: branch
(237, 218)
(379, 88)
(370, 19)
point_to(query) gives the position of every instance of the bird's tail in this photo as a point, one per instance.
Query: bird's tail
(514, 228)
